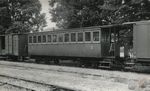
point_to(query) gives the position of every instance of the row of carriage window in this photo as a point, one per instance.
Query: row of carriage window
(66, 37)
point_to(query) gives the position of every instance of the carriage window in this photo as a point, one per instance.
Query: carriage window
(95, 36)
(60, 38)
(49, 38)
(44, 38)
(80, 36)
(54, 38)
(30, 39)
(39, 39)
(87, 36)
(34, 39)
(73, 37)
(66, 37)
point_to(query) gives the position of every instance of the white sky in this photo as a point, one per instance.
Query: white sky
(45, 9)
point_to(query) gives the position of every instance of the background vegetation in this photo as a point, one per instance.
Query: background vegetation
(83, 13)
(20, 16)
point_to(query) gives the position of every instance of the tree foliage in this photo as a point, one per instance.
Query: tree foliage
(76, 13)
(81, 13)
(39, 22)
(126, 11)
(18, 27)
(5, 18)
(20, 14)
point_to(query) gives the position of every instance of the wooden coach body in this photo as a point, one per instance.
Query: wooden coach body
(84, 42)
(60, 43)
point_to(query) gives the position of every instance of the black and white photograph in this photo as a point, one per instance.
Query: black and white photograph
(74, 45)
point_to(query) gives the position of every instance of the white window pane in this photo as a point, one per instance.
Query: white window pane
(95, 36)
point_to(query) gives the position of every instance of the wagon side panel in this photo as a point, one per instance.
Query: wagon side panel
(6, 44)
(142, 40)
(15, 45)
(23, 45)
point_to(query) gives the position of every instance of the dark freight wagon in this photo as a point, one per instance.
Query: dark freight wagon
(2, 45)
(14, 45)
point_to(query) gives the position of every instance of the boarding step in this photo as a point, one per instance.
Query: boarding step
(129, 63)
(105, 64)
(106, 67)
(3, 58)
(129, 66)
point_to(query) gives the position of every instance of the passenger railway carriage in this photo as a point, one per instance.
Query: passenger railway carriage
(66, 44)
(112, 46)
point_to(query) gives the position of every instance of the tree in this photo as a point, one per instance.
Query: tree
(126, 11)
(24, 13)
(5, 19)
(19, 27)
(82, 13)
(76, 13)
(39, 22)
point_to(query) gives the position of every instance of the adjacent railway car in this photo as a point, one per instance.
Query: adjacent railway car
(14, 45)
(141, 45)
(142, 41)
(2, 45)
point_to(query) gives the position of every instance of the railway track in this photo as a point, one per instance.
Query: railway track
(65, 71)
(47, 69)
(29, 85)
(21, 67)
(15, 86)
(59, 70)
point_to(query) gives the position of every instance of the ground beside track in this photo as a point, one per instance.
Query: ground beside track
(75, 78)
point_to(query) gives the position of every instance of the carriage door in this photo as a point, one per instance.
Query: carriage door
(2, 45)
(105, 41)
(110, 45)
(114, 49)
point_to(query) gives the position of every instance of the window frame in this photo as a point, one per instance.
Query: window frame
(43, 39)
(54, 42)
(38, 39)
(75, 37)
(35, 39)
(50, 38)
(93, 36)
(61, 34)
(78, 37)
(30, 39)
(90, 36)
(68, 38)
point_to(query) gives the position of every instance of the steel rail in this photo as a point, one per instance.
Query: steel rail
(16, 86)
(39, 83)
